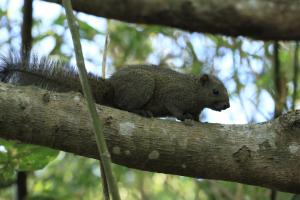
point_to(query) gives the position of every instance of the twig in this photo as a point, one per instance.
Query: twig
(295, 78)
(22, 190)
(97, 124)
(104, 180)
(105, 55)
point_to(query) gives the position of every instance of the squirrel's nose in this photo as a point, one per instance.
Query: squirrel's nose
(226, 105)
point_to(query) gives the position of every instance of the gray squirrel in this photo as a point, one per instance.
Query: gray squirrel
(147, 90)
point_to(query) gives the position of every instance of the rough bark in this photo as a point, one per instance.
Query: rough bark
(264, 154)
(261, 19)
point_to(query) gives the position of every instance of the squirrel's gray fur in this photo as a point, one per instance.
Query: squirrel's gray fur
(147, 90)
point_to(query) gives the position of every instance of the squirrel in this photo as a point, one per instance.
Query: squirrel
(147, 90)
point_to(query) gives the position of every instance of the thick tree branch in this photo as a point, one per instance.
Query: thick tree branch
(265, 154)
(262, 19)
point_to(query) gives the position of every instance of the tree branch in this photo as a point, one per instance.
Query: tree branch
(261, 19)
(265, 154)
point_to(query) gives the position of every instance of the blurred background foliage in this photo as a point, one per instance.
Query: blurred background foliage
(243, 64)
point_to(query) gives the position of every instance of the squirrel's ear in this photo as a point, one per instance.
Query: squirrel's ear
(204, 79)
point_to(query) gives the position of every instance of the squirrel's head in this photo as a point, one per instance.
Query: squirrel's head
(213, 93)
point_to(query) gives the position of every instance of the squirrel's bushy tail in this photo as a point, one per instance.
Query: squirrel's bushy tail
(50, 74)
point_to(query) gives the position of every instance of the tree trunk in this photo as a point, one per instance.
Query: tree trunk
(261, 19)
(265, 154)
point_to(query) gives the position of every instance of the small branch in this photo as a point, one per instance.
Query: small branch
(97, 123)
(26, 29)
(279, 82)
(279, 93)
(105, 55)
(104, 183)
(25, 51)
(265, 154)
(296, 74)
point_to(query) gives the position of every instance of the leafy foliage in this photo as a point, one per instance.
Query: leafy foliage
(21, 157)
(129, 43)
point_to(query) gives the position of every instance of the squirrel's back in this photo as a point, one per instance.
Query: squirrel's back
(163, 76)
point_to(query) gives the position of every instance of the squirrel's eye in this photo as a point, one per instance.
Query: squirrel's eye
(215, 92)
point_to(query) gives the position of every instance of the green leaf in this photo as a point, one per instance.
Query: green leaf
(23, 157)
(33, 157)
(87, 31)
(7, 176)
(60, 20)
